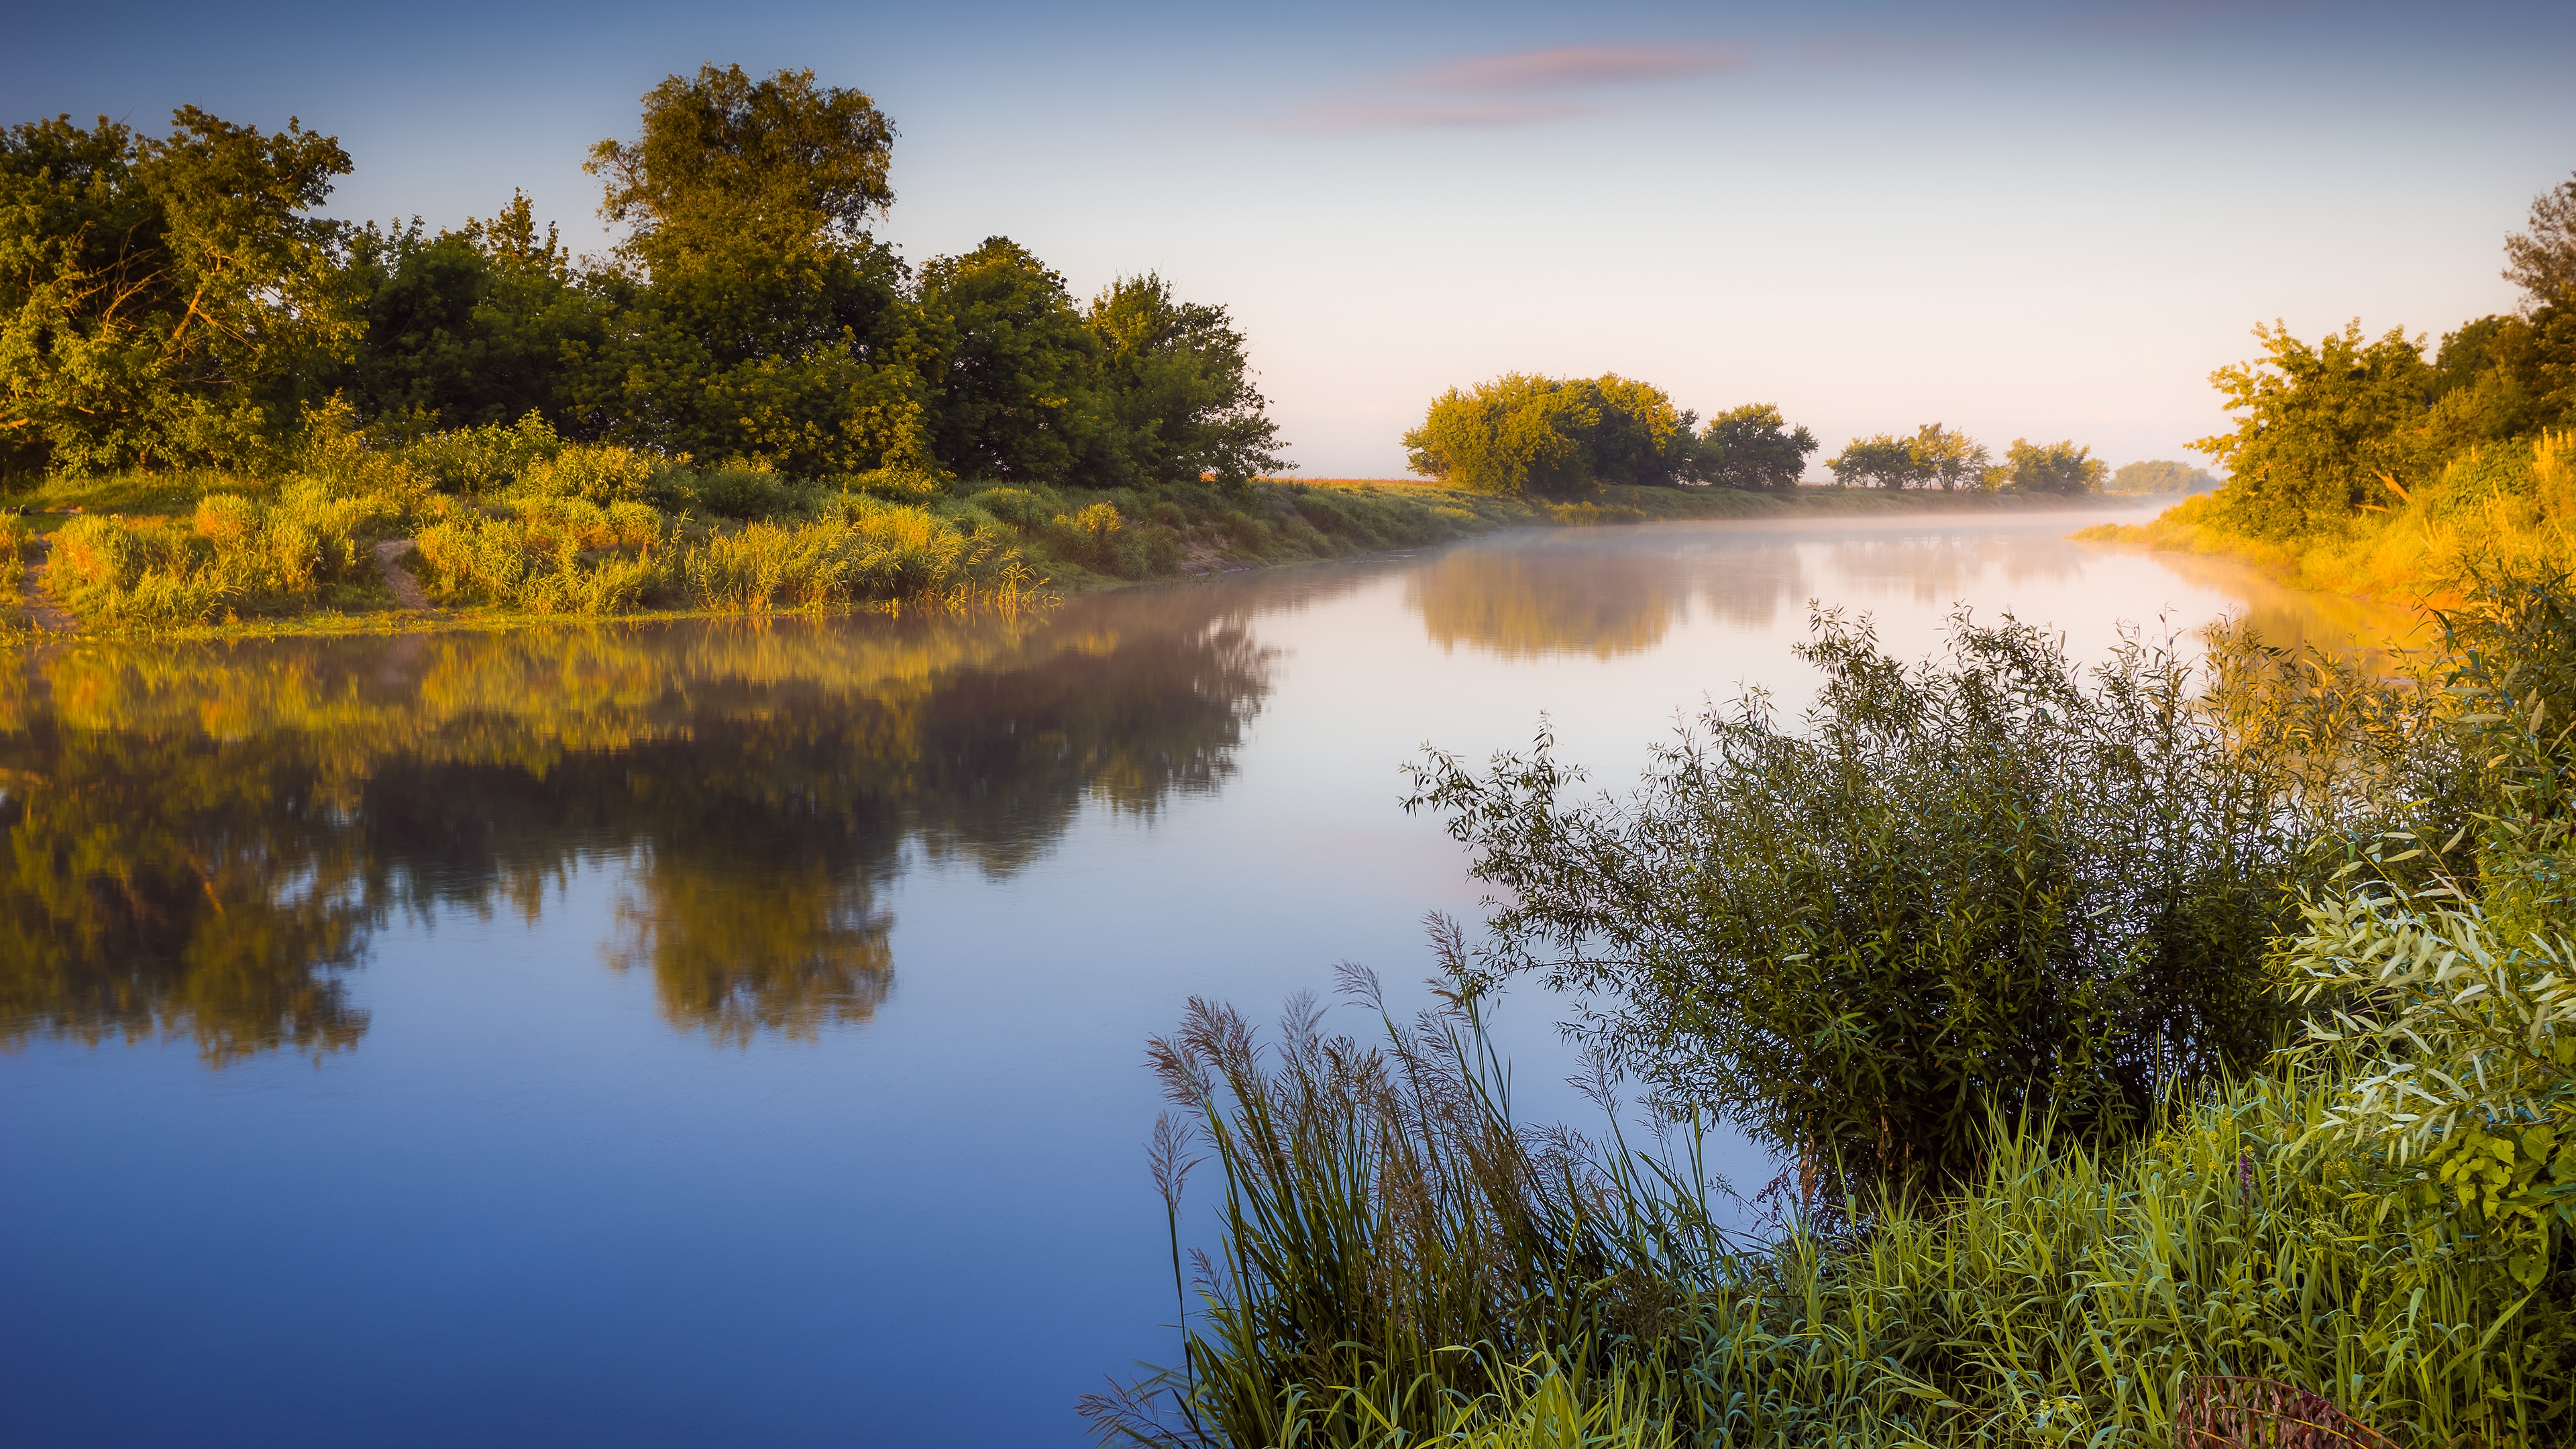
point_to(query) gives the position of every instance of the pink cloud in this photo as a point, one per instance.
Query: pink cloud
(1332, 114)
(1580, 65)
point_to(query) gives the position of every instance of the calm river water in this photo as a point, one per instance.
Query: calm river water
(732, 1034)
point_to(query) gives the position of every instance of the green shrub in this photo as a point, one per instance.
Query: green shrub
(1096, 538)
(739, 492)
(898, 485)
(1019, 507)
(485, 459)
(1986, 886)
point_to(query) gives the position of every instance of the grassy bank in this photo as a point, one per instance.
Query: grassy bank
(2020, 878)
(498, 525)
(2508, 505)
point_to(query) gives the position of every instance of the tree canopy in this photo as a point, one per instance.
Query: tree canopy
(2160, 477)
(174, 300)
(2326, 430)
(2062, 468)
(1753, 447)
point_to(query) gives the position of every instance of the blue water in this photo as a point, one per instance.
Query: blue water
(720, 1034)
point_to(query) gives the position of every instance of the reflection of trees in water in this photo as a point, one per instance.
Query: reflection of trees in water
(201, 837)
(1575, 594)
(1939, 568)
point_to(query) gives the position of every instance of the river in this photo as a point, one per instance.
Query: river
(731, 1033)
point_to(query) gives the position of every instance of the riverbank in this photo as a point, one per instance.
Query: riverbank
(359, 540)
(2504, 508)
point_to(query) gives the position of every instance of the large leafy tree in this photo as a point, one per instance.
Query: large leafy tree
(1174, 390)
(755, 314)
(2061, 468)
(1881, 460)
(163, 299)
(2542, 261)
(469, 326)
(1753, 447)
(1522, 433)
(1008, 360)
(2324, 431)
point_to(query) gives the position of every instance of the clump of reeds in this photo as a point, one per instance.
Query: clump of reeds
(1393, 1242)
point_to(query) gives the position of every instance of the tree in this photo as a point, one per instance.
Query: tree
(1522, 433)
(755, 315)
(1174, 390)
(1008, 365)
(469, 326)
(2325, 429)
(2061, 468)
(2542, 261)
(2160, 479)
(163, 299)
(1948, 457)
(1753, 447)
(1881, 460)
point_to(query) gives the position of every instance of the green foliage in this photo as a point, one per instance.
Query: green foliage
(1522, 434)
(2325, 430)
(162, 299)
(485, 458)
(1753, 447)
(2452, 1004)
(1173, 388)
(1985, 888)
(1934, 454)
(1392, 1242)
(2159, 478)
(1010, 358)
(2542, 261)
(172, 302)
(754, 315)
(2059, 468)
(469, 327)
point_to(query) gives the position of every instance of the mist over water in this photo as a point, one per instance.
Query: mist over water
(733, 1032)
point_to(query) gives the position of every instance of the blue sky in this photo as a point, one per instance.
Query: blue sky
(2043, 221)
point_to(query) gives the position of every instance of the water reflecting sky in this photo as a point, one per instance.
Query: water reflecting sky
(731, 1032)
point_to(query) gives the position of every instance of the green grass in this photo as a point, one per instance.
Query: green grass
(518, 521)
(1396, 1256)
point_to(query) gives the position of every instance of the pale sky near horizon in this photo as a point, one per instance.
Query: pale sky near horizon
(2027, 220)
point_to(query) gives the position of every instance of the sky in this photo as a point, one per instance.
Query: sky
(2025, 220)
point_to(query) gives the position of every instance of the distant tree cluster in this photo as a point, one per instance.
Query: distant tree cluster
(173, 300)
(2160, 479)
(1940, 457)
(2328, 429)
(1561, 437)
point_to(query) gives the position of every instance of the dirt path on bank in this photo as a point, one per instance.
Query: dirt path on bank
(406, 589)
(41, 610)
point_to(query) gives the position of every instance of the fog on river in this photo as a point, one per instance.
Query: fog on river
(732, 1032)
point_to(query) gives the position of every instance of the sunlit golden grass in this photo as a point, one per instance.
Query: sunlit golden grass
(2509, 506)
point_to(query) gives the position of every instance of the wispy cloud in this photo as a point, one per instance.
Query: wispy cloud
(1568, 66)
(1519, 89)
(1342, 113)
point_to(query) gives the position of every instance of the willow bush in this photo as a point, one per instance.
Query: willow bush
(1991, 884)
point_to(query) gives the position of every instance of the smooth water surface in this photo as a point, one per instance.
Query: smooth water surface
(732, 1033)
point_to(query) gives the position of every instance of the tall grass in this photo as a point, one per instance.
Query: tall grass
(2509, 505)
(300, 548)
(1390, 1239)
